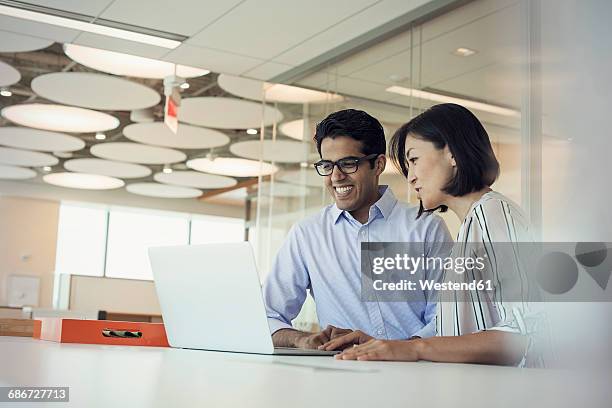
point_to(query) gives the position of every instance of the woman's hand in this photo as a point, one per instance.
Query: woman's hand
(389, 350)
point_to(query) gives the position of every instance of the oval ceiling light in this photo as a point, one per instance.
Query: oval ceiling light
(283, 190)
(307, 177)
(137, 153)
(36, 139)
(12, 42)
(254, 89)
(226, 113)
(59, 118)
(83, 181)
(233, 167)
(195, 179)
(8, 74)
(281, 151)
(117, 63)
(295, 129)
(107, 168)
(162, 190)
(15, 173)
(94, 91)
(17, 157)
(187, 137)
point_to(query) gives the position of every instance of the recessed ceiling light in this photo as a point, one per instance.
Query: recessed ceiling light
(485, 107)
(46, 168)
(464, 52)
(117, 63)
(167, 169)
(185, 85)
(5, 92)
(251, 131)
(100, 136)
(303, 165)
(89, 27)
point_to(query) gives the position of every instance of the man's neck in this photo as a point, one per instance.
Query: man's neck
(362, 214)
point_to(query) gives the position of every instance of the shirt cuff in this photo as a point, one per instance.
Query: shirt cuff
(429, 330)
(275, 325)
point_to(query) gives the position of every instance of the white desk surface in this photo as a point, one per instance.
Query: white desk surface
(121, 376)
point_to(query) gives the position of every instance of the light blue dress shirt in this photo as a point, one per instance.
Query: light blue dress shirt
(322, 253)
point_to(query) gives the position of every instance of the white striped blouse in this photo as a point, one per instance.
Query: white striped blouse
(493, 219)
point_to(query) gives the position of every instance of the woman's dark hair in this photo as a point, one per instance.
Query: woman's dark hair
(454, 126)
(355, 124)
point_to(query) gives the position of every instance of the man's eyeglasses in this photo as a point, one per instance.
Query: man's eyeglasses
(347, 165)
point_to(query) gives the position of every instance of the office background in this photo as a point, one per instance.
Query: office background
(535, 73)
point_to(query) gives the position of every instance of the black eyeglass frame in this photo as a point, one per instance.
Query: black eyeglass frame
(353, 161)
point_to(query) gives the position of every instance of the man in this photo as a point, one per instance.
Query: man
(322, 252)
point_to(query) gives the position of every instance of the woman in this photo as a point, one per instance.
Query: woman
(446, 155)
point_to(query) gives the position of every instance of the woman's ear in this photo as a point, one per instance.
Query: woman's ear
(450, 157)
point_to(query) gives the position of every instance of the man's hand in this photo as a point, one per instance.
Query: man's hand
(295, 338)
(347, 340)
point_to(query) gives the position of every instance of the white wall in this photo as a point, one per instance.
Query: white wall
(576, 68)
(28, 234)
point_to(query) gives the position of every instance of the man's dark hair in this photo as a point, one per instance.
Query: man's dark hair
(355, 124)
(454, 126)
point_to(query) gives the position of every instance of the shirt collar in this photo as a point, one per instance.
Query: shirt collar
(385, 204)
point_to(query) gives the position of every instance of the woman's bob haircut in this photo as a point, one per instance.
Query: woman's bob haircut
(451, 125)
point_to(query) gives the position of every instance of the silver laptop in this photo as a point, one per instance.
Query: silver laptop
(210, 298)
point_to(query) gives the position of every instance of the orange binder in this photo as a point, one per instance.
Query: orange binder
(103, 332)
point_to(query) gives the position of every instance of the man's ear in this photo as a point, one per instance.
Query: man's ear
(380, 164)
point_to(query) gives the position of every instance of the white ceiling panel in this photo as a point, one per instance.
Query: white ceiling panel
(185, 17)
(41, 30)
(496, 37)
(267, 70)
(356, 87)
(119, 45)
(343, 31)
(266, 31)
(463, 15)
(12, 42)
(88, 8)
(437, 61)
(374, 54)
(498, 83)
(217, 61)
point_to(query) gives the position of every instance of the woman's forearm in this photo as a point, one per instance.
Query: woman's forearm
(486, 347)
